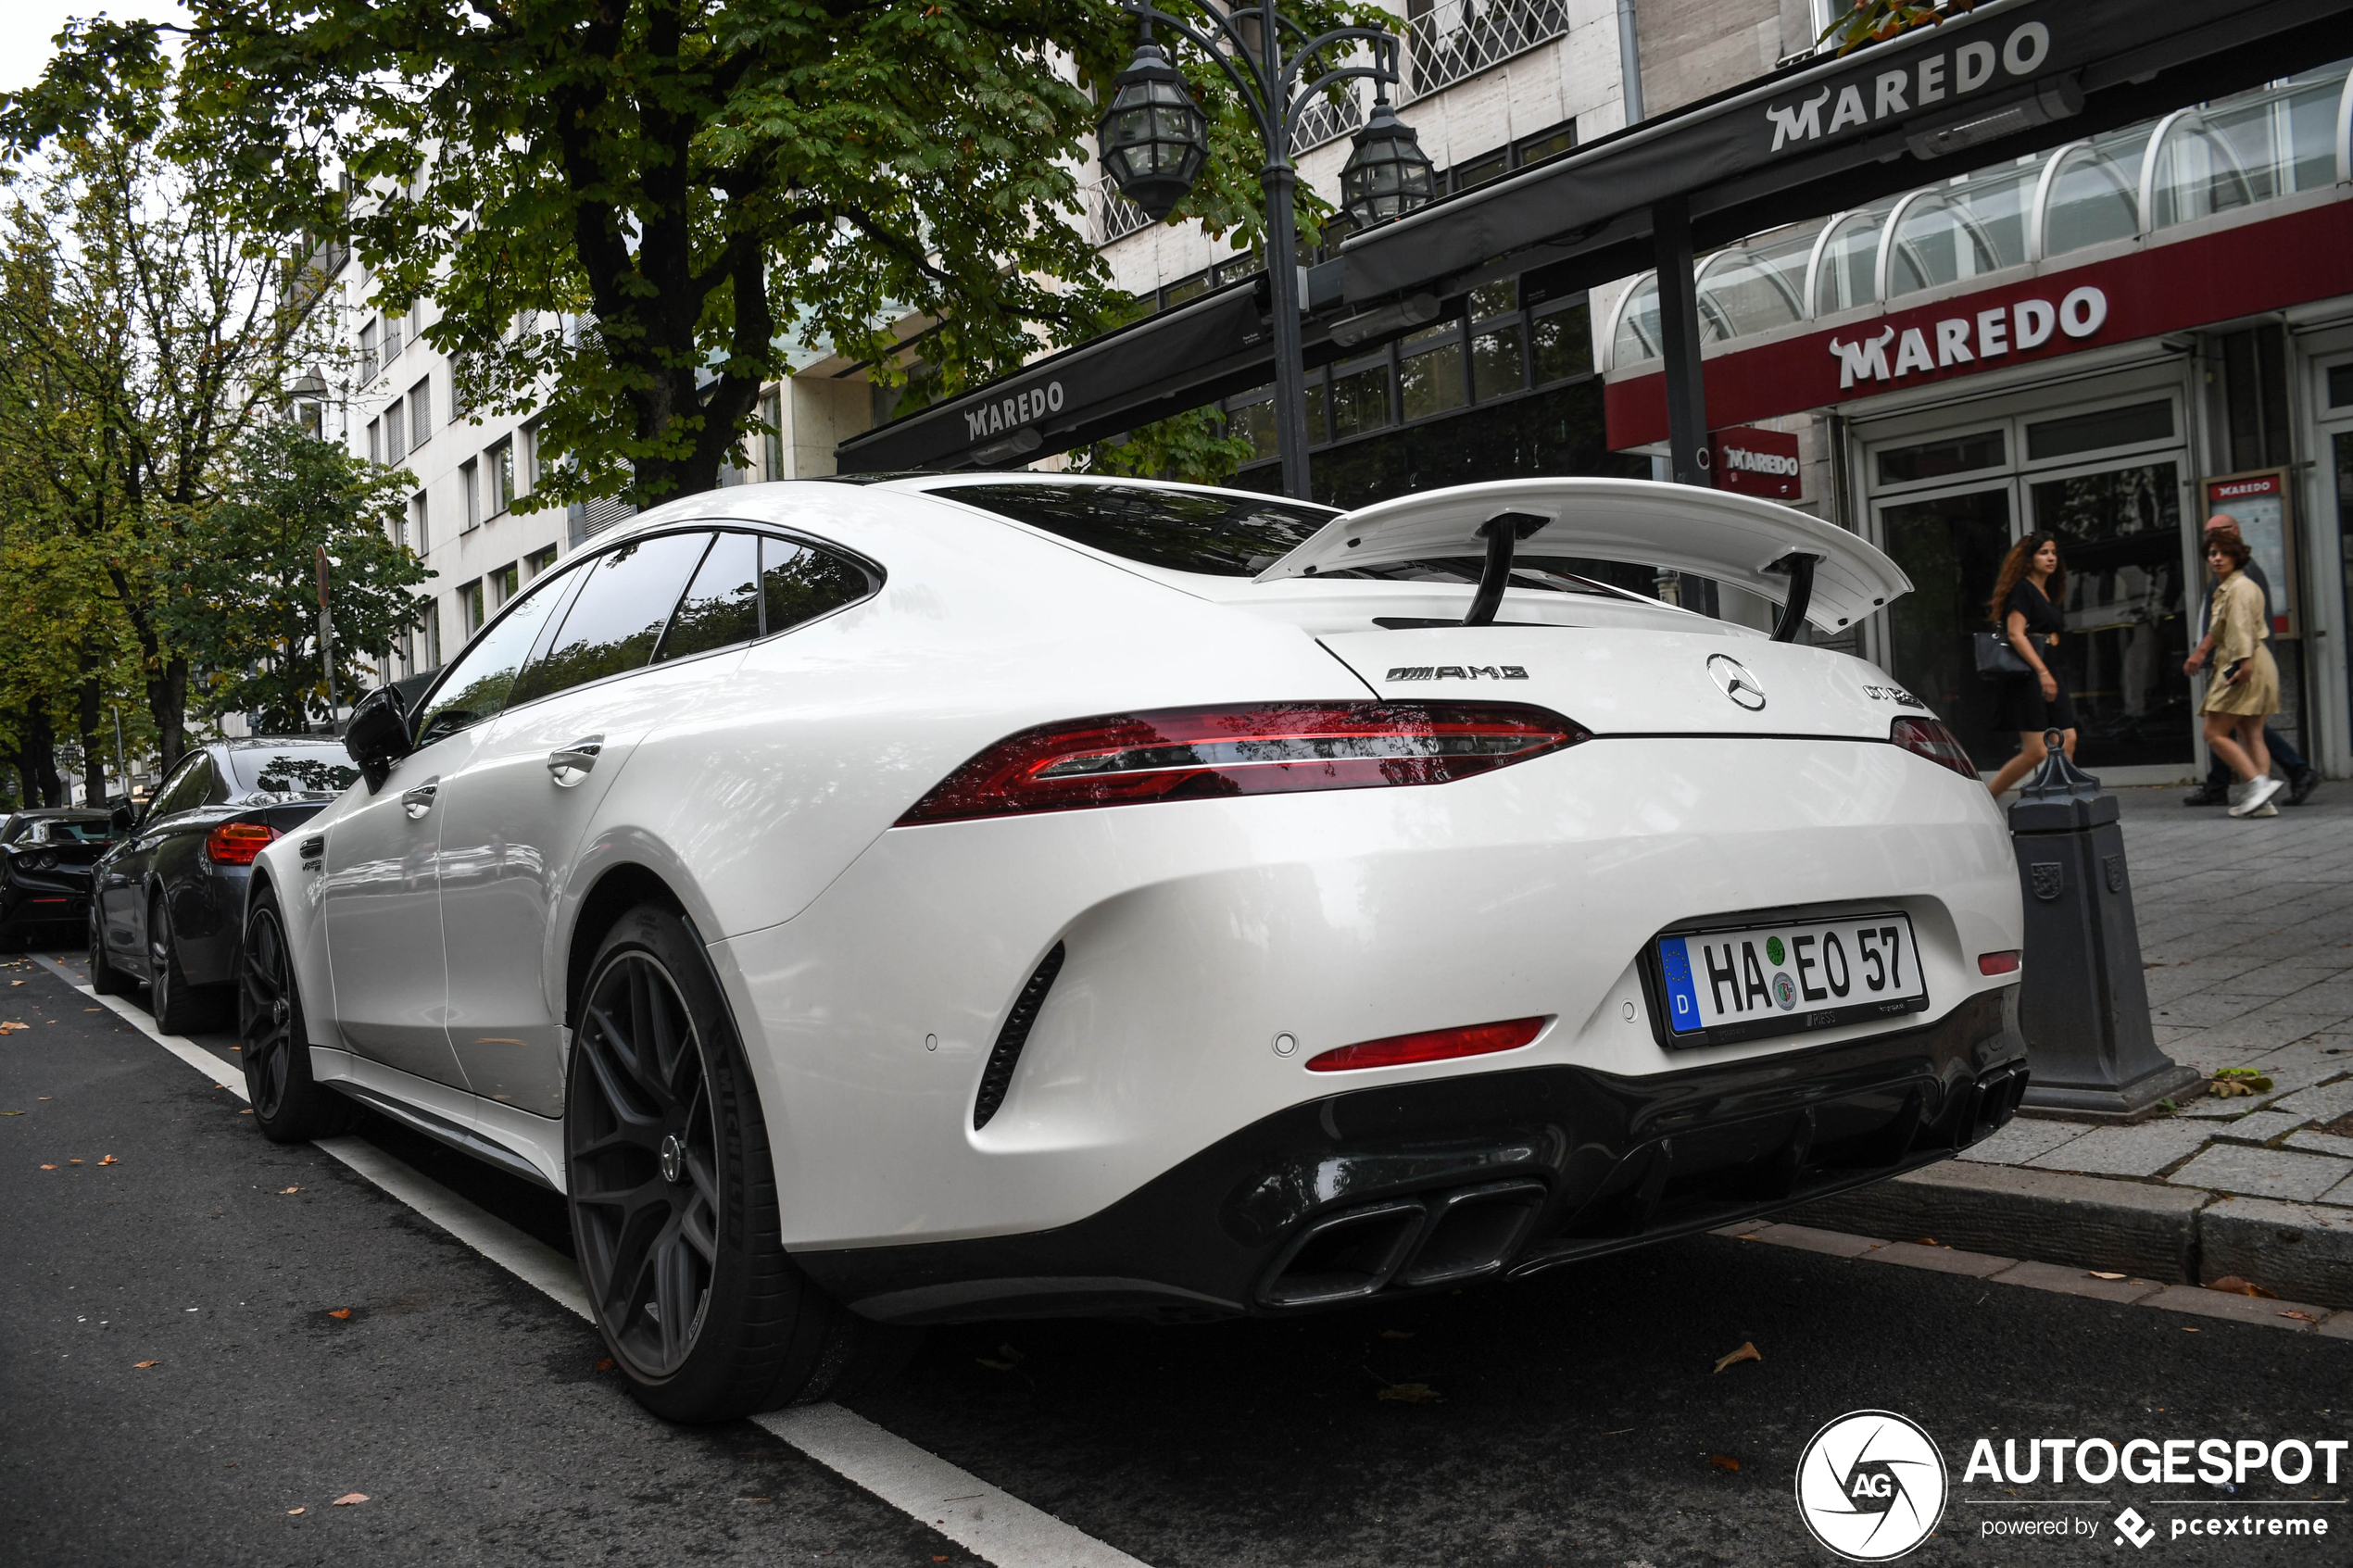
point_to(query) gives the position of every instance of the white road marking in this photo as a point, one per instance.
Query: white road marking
(992, 1524)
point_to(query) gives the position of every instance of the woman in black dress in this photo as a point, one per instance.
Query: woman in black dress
(2026, 602)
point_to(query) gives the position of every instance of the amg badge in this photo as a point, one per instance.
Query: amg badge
(1457, 673)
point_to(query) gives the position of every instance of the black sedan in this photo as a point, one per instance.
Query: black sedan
(170, 896)
(45, 856)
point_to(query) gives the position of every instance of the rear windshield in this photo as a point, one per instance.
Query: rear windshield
(73, 830)
(295, 770)
(1183, 531)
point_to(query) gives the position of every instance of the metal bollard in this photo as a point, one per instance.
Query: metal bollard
(2083, 1008)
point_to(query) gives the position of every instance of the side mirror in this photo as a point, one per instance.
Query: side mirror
(377, 735)
(121, 820)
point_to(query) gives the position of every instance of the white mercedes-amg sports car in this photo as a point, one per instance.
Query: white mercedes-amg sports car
(950, 898)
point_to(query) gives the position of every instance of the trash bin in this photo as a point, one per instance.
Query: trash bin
(2083, 1008)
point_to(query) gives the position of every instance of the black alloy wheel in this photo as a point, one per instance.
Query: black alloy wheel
(104, 979)
(179, 1008)
(645, 1162)
(289, 1105)
(672, 1190)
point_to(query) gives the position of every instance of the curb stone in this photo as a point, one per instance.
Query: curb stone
(2126, 1227)
(2295, 1249)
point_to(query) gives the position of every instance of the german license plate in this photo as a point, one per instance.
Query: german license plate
(1748, 982)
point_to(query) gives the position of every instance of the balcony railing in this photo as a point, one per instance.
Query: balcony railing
(1455, 39)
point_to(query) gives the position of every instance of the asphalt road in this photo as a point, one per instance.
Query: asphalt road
(1574, 1419)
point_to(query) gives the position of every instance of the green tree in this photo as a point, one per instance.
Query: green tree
(621, 206)
(248, 592)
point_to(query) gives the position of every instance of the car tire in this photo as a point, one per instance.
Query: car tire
(179, 1008)
(673, 1191)
(289, 1105)
(104, 979)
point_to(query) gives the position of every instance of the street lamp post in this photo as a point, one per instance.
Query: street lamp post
(1154, 140)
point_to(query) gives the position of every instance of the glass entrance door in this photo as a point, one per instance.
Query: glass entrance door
(1951, 547)
(2119, 533)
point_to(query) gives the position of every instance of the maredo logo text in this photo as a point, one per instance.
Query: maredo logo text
(1964, 340)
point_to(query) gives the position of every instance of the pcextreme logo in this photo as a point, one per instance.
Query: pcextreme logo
(1871, 1486)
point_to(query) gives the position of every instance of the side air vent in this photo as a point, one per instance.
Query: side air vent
(998, 1077)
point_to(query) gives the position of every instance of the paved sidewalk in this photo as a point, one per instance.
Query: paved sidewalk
(2246, 939)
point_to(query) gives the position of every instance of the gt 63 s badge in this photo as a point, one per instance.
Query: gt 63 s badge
(1870, 1485)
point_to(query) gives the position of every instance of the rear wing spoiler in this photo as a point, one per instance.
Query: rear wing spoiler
(1768, 550)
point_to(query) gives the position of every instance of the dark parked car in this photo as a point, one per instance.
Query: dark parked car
(172, 894)
(45, 856)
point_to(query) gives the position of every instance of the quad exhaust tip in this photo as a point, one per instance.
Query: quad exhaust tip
(1444, 1238)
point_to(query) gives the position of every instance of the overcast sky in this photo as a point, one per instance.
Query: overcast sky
(26, 27)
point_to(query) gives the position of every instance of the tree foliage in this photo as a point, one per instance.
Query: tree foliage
(622, 207)
(249, 596)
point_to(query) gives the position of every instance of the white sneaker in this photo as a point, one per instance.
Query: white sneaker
(2266, 810)
(2257, 792)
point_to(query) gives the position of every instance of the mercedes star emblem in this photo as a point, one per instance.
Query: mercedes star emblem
(1734, 681)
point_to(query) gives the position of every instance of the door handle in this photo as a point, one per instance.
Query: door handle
(569, 765)
(419, 801)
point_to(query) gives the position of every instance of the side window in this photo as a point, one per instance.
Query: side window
(618, 615)
(722, 605)
(799, 583)
(477, 685)
(189, 789)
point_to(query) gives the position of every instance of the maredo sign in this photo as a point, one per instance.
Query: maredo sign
(2212, 277)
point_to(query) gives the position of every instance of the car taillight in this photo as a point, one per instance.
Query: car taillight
(1435, 1044)
(1997, 963)
(235, 843)
(1929, 738)
(1204, 753)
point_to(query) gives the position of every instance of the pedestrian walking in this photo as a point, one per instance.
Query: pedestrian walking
(2244, 687)
(2025, 608)
(2302, 777)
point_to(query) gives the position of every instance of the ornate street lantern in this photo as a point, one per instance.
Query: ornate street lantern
(1152, 137)
(1387, 175)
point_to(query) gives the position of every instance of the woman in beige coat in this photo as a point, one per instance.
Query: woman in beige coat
(2246, 686)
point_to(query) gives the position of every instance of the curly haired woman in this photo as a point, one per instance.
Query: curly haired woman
(2246, 687)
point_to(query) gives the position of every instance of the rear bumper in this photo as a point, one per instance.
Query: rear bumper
(22, 910)
(1425, 1185)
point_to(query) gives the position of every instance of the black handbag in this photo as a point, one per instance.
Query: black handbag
(1996, 659)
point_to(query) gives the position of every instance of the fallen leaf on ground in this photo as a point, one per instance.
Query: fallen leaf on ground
(2101, 1274)
(2189, 1331)
(340, 1312)
(2304, 1316)
(1747, 1352)
(294, 1510)
(1396, 1333)
(10, 1026)
(246, 1112)
(349, 1499)
(73, 1161)
(2238, 1286)
(1926, 1241)
(1413, 1394)
(1723, 1462)
(11, 1113)
(143, 1365)
(110, 1160)
(48, 1166)
(605, 1365)
(283, 1191)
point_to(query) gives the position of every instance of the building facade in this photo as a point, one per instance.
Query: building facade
(2110, 342)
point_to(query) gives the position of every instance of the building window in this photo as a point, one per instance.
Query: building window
(375, 441)
(537, 562)
(771, 440)
(419, 413)
(469, 492)
(1429, 371)
(461, 403)
(529, 437)
(501, 461)
(367, 353)
(391, 340)
(469, 606)
(1563, 343)
(433, 636)
(504, 583)
(420, 533)
(394, 448)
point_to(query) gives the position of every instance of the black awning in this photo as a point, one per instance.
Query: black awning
(1144, 371)
(2010, 78)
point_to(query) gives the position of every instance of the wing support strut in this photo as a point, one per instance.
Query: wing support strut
(1800, 567)
(1502, 533)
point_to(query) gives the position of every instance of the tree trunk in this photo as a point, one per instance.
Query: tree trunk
(39, 750)
(93, 751)
(168, 706)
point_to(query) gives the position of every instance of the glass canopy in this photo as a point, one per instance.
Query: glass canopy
(2192, 165)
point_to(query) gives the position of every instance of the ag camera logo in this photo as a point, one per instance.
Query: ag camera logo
(1871, 1486)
